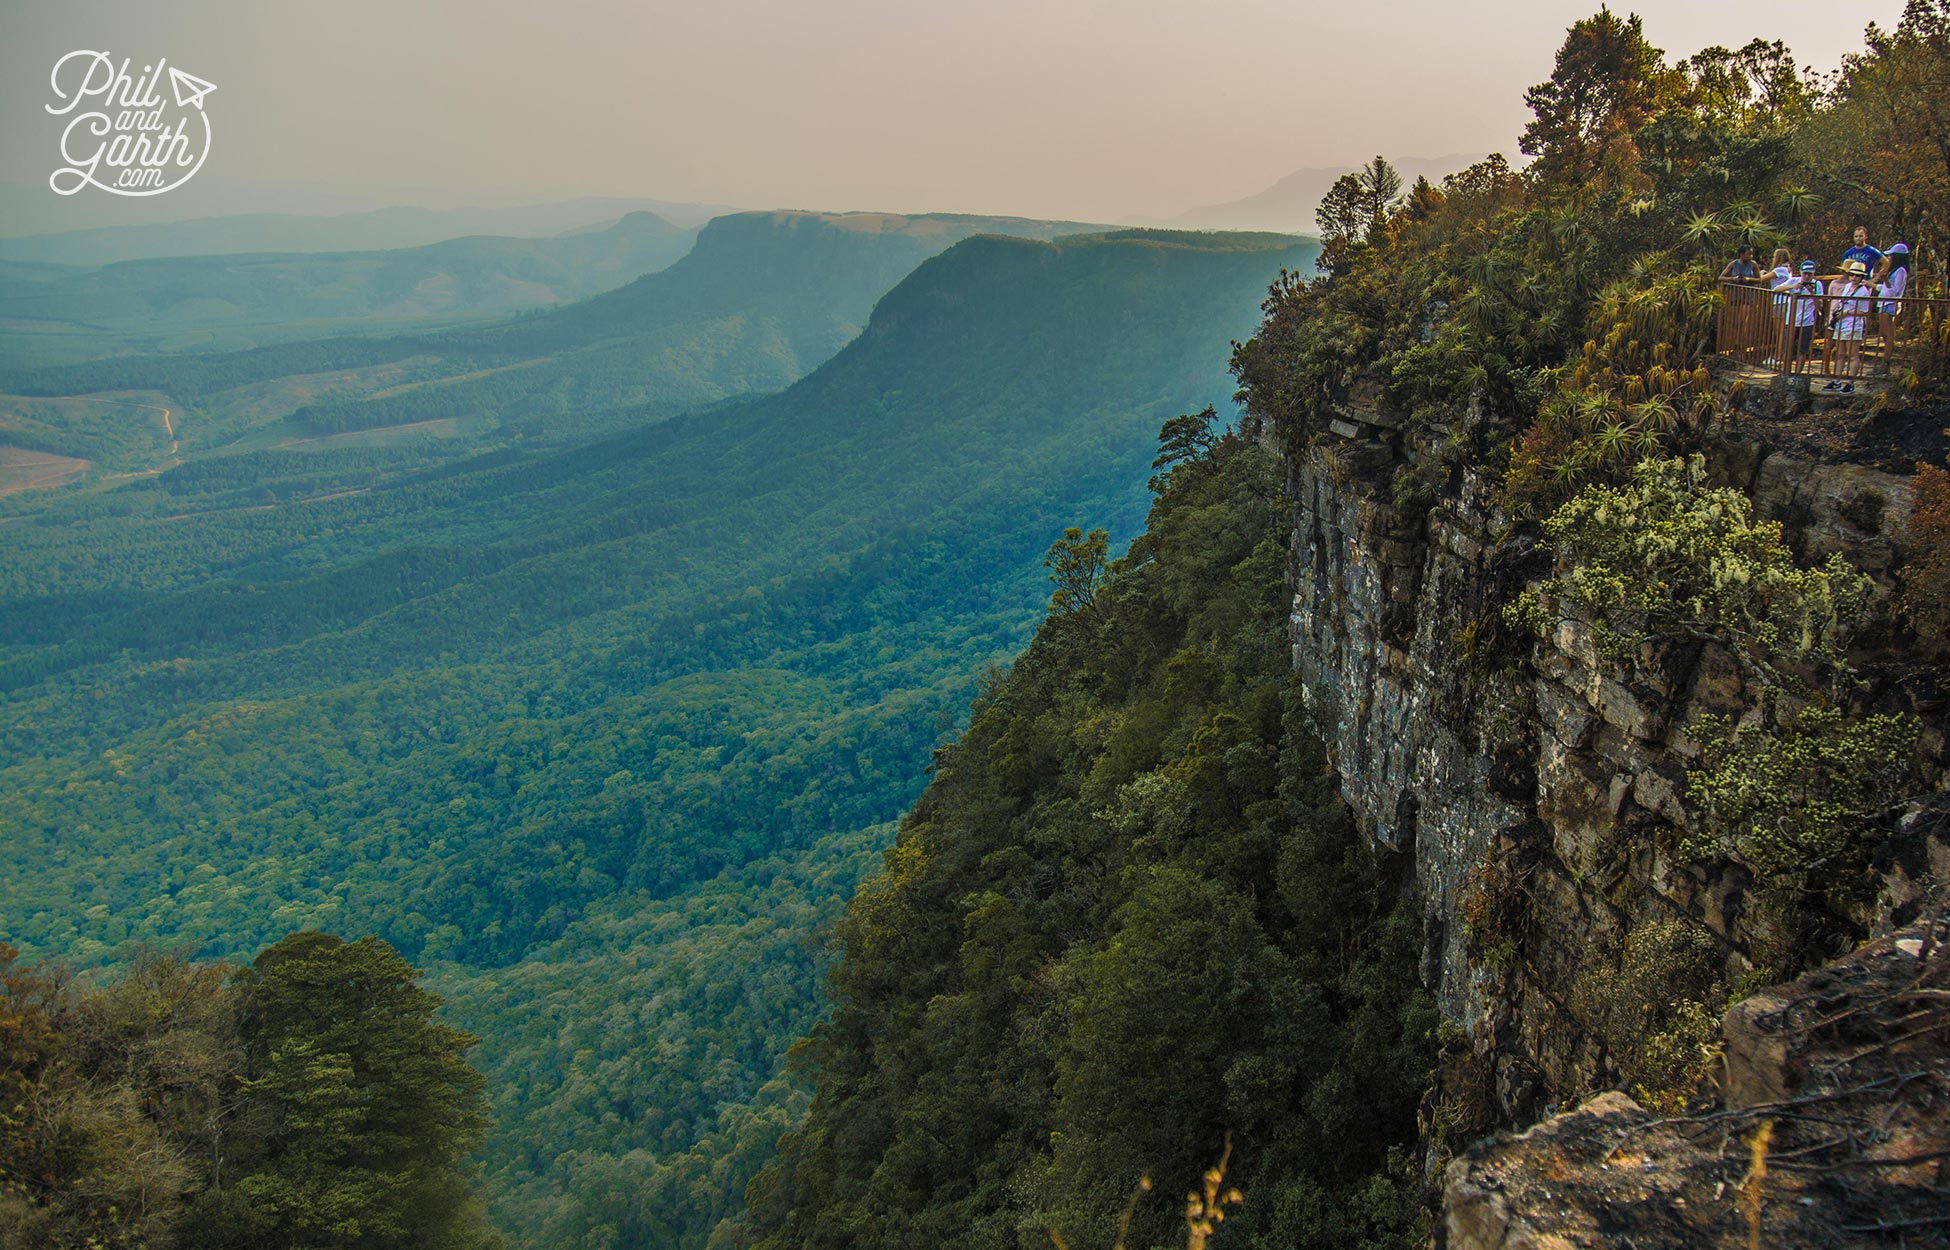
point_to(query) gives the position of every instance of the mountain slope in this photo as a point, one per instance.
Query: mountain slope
(762, 299)
(1125, 932)
(599, 734)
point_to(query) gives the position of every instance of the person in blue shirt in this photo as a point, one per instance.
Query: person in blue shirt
(1869, 256)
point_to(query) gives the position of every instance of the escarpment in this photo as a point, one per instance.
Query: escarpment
(1574, 932)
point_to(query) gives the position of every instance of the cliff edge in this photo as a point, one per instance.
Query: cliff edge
(1573, 936)
(1833, 1128)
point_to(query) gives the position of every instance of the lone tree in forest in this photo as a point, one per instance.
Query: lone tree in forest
(1077, 563)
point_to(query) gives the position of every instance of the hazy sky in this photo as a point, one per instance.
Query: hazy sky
(1071, 108)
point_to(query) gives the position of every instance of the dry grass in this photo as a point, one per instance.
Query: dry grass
(1204, 1211)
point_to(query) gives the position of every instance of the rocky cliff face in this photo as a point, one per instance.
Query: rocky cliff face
(1539, 788)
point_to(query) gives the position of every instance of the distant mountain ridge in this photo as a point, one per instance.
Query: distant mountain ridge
(246, 298)
(780, 257)
(372, 230)
(759, 301)
(1289, 204)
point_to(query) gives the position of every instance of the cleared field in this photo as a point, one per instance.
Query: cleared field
(385, 436)
(22, 470)
(120, 430)
(451, 379)
(255, 405)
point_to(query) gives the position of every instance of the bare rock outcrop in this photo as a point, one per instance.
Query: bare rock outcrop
(1831, 1128)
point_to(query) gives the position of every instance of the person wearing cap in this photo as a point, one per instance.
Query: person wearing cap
(1741, 268)
(1891, 279)
(1802, 296)
(1869, 256)
(1851, 304)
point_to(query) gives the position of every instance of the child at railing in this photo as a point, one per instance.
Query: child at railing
(1743, 325)
(1800, 302)
(1741, 268)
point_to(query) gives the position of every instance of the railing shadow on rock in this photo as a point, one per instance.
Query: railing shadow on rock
(1901, 337)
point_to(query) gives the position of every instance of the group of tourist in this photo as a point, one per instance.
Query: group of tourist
(1863, 300)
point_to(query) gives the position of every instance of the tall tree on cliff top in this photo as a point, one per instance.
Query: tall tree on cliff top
(1381, 189)
(1757, 85)
(1608, 82)
(1355, 207)
(1881, 151)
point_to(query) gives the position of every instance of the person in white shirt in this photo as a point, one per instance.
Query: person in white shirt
(1851, 308)
(1800, 299)
(1774, 279)
(1892, 280)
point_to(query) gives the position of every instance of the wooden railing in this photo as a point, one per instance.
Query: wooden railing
(1756, 327)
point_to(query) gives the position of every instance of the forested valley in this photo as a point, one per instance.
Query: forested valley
(599, 723)
(1127, 932)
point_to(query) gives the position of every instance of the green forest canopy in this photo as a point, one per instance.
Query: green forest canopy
(308, 1098)
(599, 735)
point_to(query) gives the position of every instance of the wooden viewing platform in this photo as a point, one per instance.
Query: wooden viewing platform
(1754, 330)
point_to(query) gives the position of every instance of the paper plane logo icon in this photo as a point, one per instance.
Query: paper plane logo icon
(189, 89)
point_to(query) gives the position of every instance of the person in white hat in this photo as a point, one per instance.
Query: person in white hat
(1851, 306)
